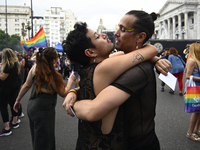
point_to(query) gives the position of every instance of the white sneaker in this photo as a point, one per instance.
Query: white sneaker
(18, 120)
(22, 115)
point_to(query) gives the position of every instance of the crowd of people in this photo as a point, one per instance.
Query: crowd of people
(15, 68)
(110, 102)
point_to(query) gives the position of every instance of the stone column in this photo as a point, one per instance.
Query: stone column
(186, 24)
(160, 29)
(195, 25)
(198, 22)
(179, 27)
(173, 26)
(165, 29)
(169, 33)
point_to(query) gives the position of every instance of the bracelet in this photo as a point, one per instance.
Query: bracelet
(73, 90)
(156, 61)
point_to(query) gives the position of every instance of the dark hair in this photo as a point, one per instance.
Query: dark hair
(76, 43)
(166, 49)
(144, 23)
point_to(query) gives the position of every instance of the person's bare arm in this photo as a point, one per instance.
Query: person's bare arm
(107, 100)
(26, 86)
(3, 76)
(63, 93)
(23, 62)
(191, 65)
(162, 65)
(107, 71)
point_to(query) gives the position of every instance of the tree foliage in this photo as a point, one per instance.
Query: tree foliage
(13, 41)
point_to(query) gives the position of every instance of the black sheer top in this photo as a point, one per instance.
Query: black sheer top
(139, 109)
(90, 136)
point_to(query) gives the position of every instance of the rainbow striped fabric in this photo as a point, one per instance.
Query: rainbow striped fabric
(192, 99)
(39, 40)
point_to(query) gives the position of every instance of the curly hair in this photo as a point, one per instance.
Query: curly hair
(10, 58)
(173, 51)
(76, 43)
(143, 23)
(45, 71)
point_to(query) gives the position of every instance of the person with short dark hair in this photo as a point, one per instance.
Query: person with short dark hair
(113, 126)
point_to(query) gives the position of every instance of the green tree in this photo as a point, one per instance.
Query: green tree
(13, 41)
(2, 40)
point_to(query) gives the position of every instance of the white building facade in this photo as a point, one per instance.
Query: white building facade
(16, 15)
(179, 19)
(57, 24)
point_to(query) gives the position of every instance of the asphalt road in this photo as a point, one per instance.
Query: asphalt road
(171, 125)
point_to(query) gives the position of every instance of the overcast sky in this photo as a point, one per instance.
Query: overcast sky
(91, 11)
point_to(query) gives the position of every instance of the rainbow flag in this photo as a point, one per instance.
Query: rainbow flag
(39, 40)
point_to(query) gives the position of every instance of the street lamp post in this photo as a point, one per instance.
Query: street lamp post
(31, 20)
(6, 25)
(23, 34)
(183, 32)
(28, 26)
(177, 33)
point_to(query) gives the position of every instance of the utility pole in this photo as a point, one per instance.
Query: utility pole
(31, 19)
(6, 25)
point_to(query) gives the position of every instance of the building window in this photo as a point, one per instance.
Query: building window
(192, 20)
(61, 17)
(16, 25)
(16, 30)
(16, 10)
(16, 20)
(17, 16)
(46, 17)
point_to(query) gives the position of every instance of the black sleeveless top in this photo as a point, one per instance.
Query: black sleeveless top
(90, 136)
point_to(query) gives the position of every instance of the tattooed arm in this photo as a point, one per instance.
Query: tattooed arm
(107, 71)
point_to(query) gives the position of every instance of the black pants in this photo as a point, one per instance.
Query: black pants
(8, 95)
(147, 142)
(41, 113)
(162, 83)
(66, 72)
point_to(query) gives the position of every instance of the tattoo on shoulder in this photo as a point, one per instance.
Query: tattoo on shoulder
(137, 57)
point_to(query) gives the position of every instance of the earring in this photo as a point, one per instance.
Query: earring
(137, 46)
(94, 59)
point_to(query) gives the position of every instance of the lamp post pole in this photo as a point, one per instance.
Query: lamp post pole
(6, 25)
(31, 19)
(28, 26)
(23, 34)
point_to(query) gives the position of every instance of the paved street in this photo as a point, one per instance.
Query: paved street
(171, 126)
